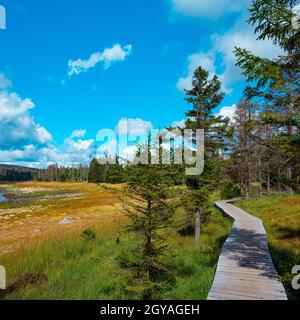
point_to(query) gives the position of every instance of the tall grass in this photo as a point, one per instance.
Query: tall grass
(80, 268)
(281, 218)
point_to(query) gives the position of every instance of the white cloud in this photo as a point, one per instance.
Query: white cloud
(108, 56)
(133, 126)
(17, 126)
(208, 8)
(72, 145)
(79, 133)
(180, 124)
(242, 35)
(116, 53)
(195, 60)
(4, 82)
(71, 152)
(223, 45)
(228, 111)
(75, 149)
(129, 153)
(43, 135)
(108, 149)
(22, 140)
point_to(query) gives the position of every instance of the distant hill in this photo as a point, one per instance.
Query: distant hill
(16, 173)
(18, 168)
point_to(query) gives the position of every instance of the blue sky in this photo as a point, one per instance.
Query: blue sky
(85, 65)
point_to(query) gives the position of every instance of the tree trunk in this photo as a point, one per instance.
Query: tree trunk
(197, 224)
(259, 177)
(279, 184)
(289, 177)
(268, 179)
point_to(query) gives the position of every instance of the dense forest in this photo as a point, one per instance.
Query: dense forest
(16, 173)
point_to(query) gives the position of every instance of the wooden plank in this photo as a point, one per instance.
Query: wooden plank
(245, 269)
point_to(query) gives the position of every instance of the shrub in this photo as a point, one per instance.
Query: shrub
(230, 190)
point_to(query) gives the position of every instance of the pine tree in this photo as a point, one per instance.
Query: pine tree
(95, 174)
(150, 212)
(205, 96)
(277, 80)
(243, 146)
(115, 173)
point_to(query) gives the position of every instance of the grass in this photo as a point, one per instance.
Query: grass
(195, 264)
(77, 267)
(74, 267)
(281, 218)
(36, 208)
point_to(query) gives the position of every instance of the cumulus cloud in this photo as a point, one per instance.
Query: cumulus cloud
(17, 126)
(223, 45)
(208, 8)
(206, 60)
(23, 140)
(179, 124)
(107, 57)
(76, 149)
(72, 151)
(133, 126)
(228, 112)
(129, 153)
(108, 149)
(243, 37)
(79, 133)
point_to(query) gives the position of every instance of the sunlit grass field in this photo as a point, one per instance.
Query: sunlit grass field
(60, 262)
(45, 210)
(281, 218)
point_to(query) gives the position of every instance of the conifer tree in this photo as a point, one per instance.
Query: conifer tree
(150, 212)
(205, 96)
(277, 81)
(95, 172)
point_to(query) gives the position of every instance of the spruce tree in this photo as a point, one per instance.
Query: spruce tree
(95, 174)
(150, 210)
(277, 81)
(205, 96)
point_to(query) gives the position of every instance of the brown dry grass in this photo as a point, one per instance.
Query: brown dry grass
(86, 205)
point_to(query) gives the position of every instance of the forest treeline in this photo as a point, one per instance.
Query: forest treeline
(16, 173)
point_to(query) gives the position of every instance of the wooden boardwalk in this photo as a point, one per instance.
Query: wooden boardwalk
(245, 269)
